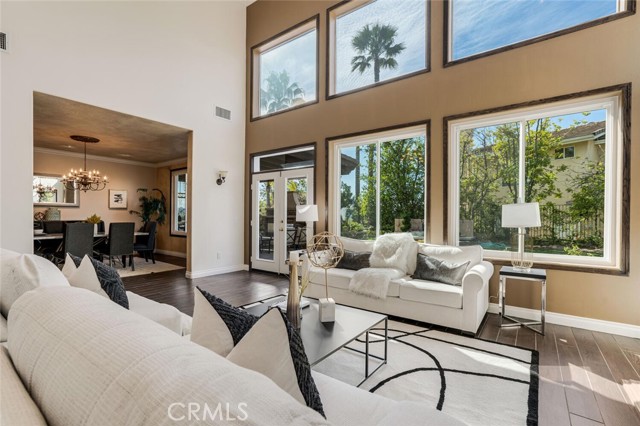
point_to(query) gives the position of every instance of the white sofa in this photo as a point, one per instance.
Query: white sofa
(73, 357)
(460, 307)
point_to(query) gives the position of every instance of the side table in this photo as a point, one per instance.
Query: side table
(532, 274)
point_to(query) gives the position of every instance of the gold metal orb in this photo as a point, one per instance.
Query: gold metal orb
(325, 250)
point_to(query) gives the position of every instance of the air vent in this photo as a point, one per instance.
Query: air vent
(3, 42)
(223, 113)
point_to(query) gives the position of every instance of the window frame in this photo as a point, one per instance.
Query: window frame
(616, 257)
(348, 6)
(627, 8)
(273, 42)
(173, 231)
(380, 135)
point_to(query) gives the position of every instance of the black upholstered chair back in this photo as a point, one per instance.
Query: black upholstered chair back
(78, 238)
(120, 238)
(101, 227)
(53, 226)
(151, 238)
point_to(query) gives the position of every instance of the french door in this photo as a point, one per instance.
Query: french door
(275, 232)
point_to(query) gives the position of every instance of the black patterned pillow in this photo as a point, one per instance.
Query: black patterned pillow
(267, 336)
(109, 279)
(354, 260)
(432, 269)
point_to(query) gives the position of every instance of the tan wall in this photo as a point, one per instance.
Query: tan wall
(596, 57)
(165, 240)
(121, 176)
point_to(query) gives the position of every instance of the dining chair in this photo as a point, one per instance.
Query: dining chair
(77, 240)
(53, 226)
(119, 243)
(146, 244)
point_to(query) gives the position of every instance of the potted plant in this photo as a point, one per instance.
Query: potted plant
(95, 219)
(152, 206)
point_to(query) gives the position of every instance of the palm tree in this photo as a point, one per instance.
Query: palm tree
(279, 94)
(375, 44)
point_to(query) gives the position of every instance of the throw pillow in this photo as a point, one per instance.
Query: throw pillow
(354, 260)
(432, 269)
(84, 276)
(393, 251)
(110, 281)
(268, 345)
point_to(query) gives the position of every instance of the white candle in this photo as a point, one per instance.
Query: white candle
(294, 256)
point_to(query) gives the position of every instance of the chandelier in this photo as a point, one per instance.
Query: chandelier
(84, 179)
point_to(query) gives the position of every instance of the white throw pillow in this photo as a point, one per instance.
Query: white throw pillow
(69, 266)
(453, 254)
(85, 277)
(208, 329)
(265, 349)
(392, 251)
(20, 273)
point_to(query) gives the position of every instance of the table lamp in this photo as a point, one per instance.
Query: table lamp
(521, 216)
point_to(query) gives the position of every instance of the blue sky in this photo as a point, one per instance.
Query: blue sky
(482, 25)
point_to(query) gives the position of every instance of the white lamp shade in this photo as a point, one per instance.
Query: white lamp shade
(307, 213)
(521, 215)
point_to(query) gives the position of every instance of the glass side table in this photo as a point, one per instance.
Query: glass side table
(532, 274)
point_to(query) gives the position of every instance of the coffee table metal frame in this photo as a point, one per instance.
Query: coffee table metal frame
(312, 349)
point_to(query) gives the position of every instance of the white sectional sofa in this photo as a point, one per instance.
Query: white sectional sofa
(73, 357)
(460, 307)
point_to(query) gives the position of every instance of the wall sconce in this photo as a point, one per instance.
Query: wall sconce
(222, 177)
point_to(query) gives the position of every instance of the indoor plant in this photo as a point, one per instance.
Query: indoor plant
(151, 207)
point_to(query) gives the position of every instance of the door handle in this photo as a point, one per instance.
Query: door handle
(281, 229)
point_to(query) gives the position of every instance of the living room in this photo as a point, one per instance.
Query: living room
(176, 62)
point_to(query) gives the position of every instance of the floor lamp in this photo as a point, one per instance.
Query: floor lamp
(521, 216)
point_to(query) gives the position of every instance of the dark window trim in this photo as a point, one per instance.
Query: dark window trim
(625, 104)
(315, 18)
(427, 69)
(252, 156)
(186, 172)
(630, 10)
(427, 173)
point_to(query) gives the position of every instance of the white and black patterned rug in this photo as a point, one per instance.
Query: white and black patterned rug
(476, 381)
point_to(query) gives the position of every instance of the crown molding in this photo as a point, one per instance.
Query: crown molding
(107, 159)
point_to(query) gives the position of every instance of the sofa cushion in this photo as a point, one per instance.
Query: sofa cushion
(357, 245)
(268, 345)
(340, 278)
(109, 279)
(431, 269)
(119, 368)
(161, 313)
(452, 254)
(16, 406)
(354, 260)
(20, 273)
(392, 251)
(431, 292)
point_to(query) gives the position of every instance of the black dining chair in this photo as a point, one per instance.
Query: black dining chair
(77, 240)
(120, 243)
(53, 226)
(146, 244)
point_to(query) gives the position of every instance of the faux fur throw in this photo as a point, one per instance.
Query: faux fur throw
(372, 282)
(393, 251)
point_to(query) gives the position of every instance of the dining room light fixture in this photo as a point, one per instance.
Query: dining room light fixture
(84, 179)
(222, 177)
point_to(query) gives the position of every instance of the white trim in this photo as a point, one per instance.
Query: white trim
(216, 271)
(172, 253)
(592, 324)
(107, 159)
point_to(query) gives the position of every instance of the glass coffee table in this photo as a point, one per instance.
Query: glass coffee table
(321, 340)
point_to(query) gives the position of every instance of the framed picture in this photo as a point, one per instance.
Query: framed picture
(117, 199)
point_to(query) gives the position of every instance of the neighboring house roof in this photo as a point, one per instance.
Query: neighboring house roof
(590, 131)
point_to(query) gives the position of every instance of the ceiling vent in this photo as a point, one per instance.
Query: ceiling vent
(223, 113)
(3, 42)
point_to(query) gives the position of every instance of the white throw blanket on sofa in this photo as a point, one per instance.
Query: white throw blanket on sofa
(373, 282)
(394, 251)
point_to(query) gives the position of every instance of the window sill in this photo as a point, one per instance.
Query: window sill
(605, 270)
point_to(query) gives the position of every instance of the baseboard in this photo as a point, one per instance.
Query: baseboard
(172, 253)
(216, 271)
(571, 321)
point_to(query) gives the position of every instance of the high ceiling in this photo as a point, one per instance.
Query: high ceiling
(121, 135)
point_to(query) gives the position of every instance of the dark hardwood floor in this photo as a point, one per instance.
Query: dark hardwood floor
(586, 378)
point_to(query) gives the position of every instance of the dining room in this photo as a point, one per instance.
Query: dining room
(125, 176)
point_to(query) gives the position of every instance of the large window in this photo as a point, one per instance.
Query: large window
(179, 202)
(285, 70)
(480, 26)
(379, 183)
(567, 156)
(375, 41)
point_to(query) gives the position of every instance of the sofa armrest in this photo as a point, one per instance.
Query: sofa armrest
(475, 295)
(477, 277)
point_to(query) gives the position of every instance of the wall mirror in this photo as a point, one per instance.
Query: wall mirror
(49, 191)
(179, 202)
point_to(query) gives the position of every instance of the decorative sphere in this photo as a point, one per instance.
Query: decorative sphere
(325, 250)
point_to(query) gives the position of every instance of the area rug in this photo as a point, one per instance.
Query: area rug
(144, 268)
(476, 381)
